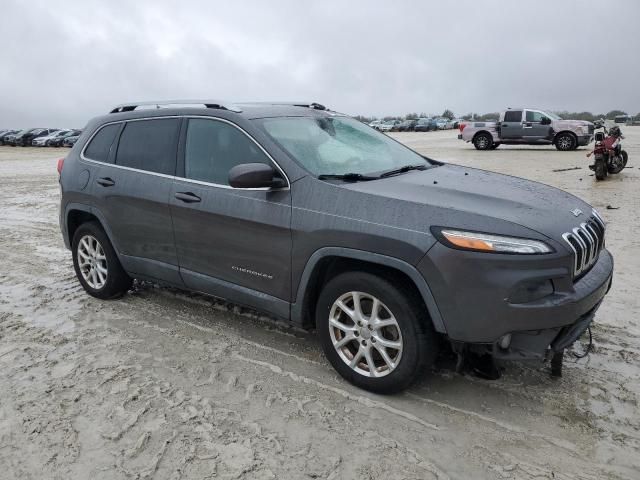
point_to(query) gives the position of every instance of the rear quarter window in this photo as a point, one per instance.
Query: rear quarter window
(100, 145)
(149, 145)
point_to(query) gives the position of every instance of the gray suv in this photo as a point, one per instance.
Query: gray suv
(316, 218)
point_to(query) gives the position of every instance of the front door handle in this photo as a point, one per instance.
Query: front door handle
(187, 197)
(105, 182)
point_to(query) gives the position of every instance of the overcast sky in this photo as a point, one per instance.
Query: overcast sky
(63, 62)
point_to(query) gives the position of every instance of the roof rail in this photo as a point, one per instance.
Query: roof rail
(217, 104)
(313, 105)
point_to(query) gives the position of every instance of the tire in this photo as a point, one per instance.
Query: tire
(494, 146)
(92, 252)
(600, 169)
(406, 324)
(625, 158)
(565, 142)
(483, 141)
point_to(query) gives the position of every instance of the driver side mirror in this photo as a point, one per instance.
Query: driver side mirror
(255, 175)
(545, 121)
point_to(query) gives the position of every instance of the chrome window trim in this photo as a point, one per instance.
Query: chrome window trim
(164, 175)
(184, 179)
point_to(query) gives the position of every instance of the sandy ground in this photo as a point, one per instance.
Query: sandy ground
(165, 384)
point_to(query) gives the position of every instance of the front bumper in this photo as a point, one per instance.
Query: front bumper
(584, 140)
(474, 293)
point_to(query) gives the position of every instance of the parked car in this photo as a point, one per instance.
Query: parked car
(442, 123)
(43, 140)
(58, 141)
(70, 141)
(26, 139)
(388, 126)
(518, 126)
(299, 216)
(13, 138)
(455, 123)
(4, 136)
(425, 125)
(375, 124)
(406, 126)
(622, 119)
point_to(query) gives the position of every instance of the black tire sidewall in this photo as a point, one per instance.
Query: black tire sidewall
(417, 352)
(574, 142)
(600, 170)
(118, 282)
(488, 141)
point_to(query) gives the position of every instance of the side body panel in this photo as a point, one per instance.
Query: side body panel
(240, 237)
(512, 130)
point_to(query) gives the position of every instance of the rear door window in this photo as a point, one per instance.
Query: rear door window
(149, 145)
(513, 116)
(100, 145)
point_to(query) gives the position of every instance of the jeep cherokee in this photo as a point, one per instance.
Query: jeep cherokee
(316, 218)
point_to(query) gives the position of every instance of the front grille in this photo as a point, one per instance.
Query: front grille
(586, 241)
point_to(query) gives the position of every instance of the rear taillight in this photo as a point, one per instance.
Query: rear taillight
(60, 165)
(461, 126)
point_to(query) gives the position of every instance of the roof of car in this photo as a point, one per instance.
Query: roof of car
(249, 110)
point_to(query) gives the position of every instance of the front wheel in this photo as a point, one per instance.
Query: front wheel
(375, 333)
(600, 169)
(566, 141)
(96, 264)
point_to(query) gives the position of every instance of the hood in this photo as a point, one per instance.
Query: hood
(573, 123)
(449, 188)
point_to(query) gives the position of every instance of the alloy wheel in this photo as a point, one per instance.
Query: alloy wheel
(92, 262)
(365, 334)
(564, 143)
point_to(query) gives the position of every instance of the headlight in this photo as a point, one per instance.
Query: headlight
(484, 242)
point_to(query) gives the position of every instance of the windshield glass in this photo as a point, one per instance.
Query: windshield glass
(339, 145)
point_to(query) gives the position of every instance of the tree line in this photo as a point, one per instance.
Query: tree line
(492, 116)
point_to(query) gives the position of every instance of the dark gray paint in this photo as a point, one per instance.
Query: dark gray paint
(284, 234)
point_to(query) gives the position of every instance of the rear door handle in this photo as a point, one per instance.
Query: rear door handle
(105, 182)
(187, 197)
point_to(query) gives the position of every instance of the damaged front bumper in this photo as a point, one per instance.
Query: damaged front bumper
(539, 344)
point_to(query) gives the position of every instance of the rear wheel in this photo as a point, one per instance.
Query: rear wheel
(96, 264)
(483, 141)
(566, 141)
(374, 333)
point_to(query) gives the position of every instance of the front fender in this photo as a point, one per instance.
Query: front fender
(384, 260)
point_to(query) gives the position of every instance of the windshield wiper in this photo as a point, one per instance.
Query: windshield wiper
(406, 168)
(349, 177)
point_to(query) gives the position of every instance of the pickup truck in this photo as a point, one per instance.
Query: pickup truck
(523, 126)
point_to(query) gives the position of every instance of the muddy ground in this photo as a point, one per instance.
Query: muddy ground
(165, 384)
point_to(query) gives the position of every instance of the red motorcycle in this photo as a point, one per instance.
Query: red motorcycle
(608, 154)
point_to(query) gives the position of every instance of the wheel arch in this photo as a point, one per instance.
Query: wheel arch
(76, 214)
(486, 132)
(327, 262)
